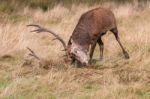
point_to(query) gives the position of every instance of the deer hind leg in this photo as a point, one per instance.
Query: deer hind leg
(101, 47)
(115, 32)
(92, 51)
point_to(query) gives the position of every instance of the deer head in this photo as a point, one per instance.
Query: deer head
(73, 51)
(77, 52)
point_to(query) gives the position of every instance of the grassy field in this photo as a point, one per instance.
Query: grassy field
(23, 77)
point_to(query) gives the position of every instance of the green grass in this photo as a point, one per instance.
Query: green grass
(30, 89)
(5, 80)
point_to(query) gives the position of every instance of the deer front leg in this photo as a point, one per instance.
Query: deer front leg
(101, 47)
(73, 61)
(92, 51)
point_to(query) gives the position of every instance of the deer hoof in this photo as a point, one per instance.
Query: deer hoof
(101, 59)
(126, 55)
(90, 62)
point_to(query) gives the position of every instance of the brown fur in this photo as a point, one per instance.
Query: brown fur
(91, 26)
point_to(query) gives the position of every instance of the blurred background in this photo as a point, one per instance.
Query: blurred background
(9, 6)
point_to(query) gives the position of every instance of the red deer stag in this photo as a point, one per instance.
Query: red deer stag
(91, 26)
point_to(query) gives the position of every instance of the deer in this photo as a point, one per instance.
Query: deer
(92, 25)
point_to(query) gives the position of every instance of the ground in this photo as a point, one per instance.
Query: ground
(23, 77)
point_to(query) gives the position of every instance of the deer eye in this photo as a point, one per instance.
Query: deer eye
(76, 51)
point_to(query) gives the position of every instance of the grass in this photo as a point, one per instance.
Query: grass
(23, 77)
(11, 6)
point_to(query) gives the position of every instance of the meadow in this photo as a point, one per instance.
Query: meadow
(24, 77)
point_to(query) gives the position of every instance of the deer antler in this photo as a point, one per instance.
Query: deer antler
(33, 54)
(42, 29)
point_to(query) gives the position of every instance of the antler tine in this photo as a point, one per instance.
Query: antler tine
(33, 53)
(64, 56)
(63, 50)
(42, 29)
(39, 28)
(33, 25)
(55, 39)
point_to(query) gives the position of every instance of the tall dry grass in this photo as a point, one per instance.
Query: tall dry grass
(114, 78)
